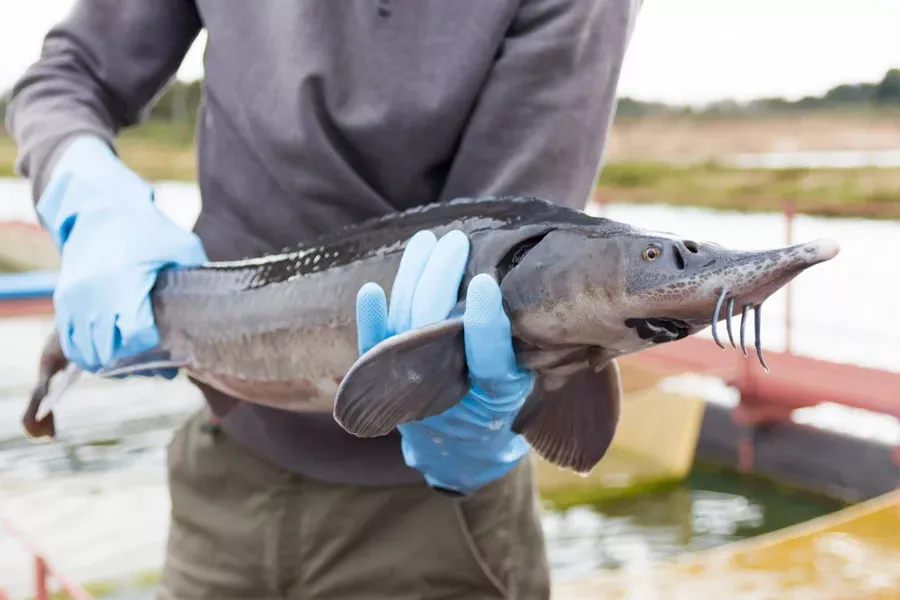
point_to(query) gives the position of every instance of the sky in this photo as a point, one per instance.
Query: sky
(682, 51)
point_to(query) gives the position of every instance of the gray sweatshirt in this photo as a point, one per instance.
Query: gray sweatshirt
(321, 113)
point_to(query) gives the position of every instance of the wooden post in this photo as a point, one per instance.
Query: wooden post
(40, 579)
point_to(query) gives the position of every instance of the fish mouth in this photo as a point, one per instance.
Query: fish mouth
(660, 330)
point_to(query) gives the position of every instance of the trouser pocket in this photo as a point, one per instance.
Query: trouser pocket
(502, 527)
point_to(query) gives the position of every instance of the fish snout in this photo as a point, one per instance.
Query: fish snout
(819, 250)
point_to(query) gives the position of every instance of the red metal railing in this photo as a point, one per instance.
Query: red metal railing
(789, 212)
(43, 569)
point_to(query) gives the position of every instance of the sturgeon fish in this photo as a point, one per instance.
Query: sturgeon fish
(580, 291)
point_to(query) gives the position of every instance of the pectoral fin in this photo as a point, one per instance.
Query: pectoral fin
(407, 377)
(573, 424)
(570, 421)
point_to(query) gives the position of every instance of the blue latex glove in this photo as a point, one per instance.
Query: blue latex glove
(113, 240)
(471, 444)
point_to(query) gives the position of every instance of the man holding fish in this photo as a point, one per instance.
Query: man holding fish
(317, 115)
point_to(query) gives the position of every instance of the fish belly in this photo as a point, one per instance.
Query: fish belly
(287, 345)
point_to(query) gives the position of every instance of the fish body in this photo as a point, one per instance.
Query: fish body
(281, 329)
(579, 290)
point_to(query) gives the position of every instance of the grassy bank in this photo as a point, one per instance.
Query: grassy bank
(864, 191)
(700, 138)
(669, 159)
(155, 150)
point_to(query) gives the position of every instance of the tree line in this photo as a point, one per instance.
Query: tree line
(874, 95)
(181, 100)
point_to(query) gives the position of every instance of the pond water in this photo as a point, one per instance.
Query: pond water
(97, 503)
(96, 500)
(833, 159)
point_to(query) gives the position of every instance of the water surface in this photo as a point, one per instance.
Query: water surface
(97, 502)
(831, 159)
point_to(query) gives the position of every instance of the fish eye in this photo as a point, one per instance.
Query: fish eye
(651, 252)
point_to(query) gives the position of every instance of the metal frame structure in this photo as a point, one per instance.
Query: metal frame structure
(43, 569)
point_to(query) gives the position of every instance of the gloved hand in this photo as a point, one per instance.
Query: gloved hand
(113, 240)
(471, 444)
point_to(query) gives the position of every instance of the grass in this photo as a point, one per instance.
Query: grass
(858, 191)
(648, 162)
(103, 588)
(156, 151)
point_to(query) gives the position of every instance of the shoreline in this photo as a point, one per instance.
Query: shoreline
(869, 192)
(673, 159)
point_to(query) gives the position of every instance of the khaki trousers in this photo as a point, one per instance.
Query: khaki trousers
(243, 528)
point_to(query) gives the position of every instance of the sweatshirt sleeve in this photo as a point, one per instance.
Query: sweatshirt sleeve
(99, 70)
(540, 125)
